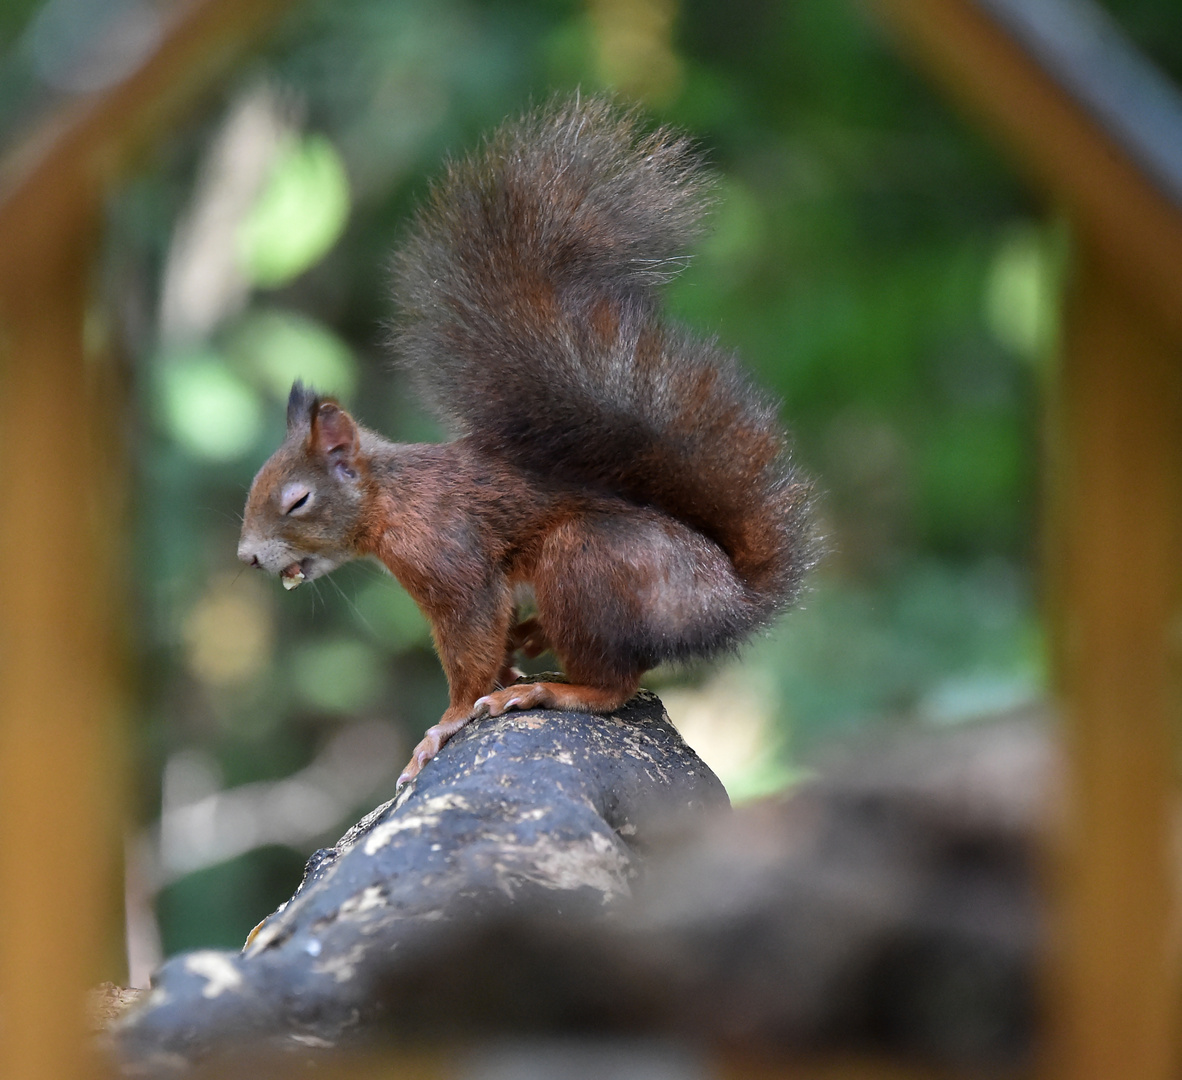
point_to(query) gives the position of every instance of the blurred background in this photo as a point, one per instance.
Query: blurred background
(871, 259)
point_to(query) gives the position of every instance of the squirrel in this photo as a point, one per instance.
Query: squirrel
(624, 471)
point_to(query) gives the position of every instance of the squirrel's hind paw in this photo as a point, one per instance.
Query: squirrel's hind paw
(539, 695)
(548, 695)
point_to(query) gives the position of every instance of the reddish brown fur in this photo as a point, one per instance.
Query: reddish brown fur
(459, 532)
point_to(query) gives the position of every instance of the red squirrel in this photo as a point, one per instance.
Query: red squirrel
(623, 471)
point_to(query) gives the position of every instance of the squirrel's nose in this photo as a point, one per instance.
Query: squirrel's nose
(247, 554)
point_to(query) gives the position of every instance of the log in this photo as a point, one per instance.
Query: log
(540, 811)
(557, 874)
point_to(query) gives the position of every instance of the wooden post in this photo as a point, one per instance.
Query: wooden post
(60, 531)
(60, 786)
(1117, 544)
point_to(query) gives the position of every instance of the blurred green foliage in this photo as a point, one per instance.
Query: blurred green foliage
(871, 259)
(298, 215)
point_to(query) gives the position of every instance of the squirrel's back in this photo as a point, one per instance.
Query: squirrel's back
(528, 320)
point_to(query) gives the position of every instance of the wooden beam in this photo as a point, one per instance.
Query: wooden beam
(60, 544)
(1059, 141)
(91, 140)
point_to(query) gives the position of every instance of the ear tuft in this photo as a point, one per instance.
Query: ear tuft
(302, 404)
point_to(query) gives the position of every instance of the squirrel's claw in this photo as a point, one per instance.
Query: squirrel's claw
(432, 742)
(423, 753)
(512, 697)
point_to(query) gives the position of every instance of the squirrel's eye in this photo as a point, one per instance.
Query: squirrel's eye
(296, 500)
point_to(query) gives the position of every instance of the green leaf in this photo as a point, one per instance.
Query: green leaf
(1022, 296)
(299, 214)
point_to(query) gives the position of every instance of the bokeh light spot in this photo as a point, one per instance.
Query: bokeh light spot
(299, 214)
(206, 408)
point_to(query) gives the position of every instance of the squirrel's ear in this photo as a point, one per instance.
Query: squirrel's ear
(302, 404)
(334, 435)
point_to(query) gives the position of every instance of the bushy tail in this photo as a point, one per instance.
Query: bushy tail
(528, 321)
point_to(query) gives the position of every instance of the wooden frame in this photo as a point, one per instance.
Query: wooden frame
(1116, 504)
(1114, 500)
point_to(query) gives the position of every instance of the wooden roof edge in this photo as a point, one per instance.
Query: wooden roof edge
(1069, 120)
(1083, 48)
(87, 140)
